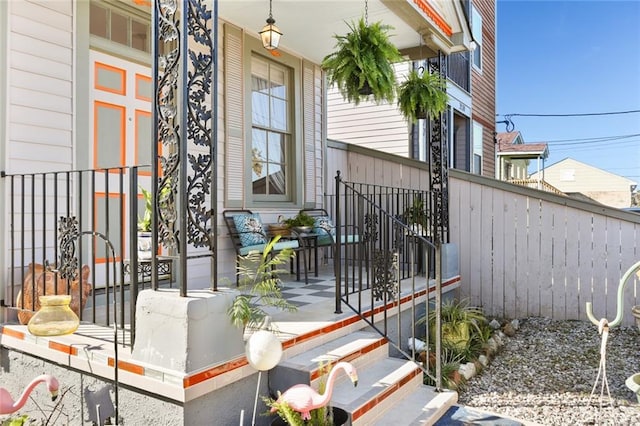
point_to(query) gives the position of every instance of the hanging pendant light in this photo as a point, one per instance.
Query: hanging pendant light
(270, 34)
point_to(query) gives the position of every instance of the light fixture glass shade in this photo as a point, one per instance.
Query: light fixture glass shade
(270, 35)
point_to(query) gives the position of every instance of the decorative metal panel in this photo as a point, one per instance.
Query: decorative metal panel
(439, 161)
(184, 123)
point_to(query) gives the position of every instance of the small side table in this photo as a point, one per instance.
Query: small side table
(308, 242)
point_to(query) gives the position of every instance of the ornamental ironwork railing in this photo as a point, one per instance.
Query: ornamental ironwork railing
(387, 260)
(77, 231)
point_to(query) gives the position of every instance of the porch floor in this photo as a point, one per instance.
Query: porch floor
(314, 300)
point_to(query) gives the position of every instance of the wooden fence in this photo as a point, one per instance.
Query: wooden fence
(525, 252)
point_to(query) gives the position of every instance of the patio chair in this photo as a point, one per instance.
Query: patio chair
(248, 234)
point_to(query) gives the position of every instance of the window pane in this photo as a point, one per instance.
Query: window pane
(98, 21)
(260, 68)
(258, 159)
(476, 25)
(477, 164)
(477, 54)
(278, 114)
(140, 36)
(119, 31)
(259, 84)
(278, 81)
(277, 179)
(260, 109)
(276, 148)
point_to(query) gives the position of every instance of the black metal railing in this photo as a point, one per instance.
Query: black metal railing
(62, 222)
(458, 70)
(387, 266)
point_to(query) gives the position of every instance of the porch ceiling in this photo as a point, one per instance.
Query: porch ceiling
(308, 26)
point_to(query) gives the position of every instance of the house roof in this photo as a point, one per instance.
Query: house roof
(512, 145)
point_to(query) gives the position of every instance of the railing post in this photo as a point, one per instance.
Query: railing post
(337, 248)
(438, 303)
(133, 248)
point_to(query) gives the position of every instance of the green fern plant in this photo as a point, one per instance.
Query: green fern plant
(363, 60)
(422, 95)
(260, 286)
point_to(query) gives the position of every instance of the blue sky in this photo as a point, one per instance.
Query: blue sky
(573, 57)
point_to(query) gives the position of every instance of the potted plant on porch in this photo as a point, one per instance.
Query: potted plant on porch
(302, 222)
(260, 286)
(144, 223)
(422, 95)
(144, 227)
(361, 65)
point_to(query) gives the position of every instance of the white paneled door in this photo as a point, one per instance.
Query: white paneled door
(120, 122)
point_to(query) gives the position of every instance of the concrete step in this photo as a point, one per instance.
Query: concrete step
(390, 390)
(359, 348)
(423, 406)
(381, 386)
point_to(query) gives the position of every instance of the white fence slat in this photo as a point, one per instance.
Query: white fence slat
(515, 235)
(572, 265)
(585, 250)
(499, 253)
(557, 291)
(613, 266)
(522, 254)
(538, 273)
(599, 266)
(485, 207)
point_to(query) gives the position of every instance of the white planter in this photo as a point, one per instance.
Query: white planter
(144, 245)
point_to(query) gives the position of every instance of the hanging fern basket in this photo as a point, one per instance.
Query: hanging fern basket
(422, 95)
(365, 90)
(362, 64)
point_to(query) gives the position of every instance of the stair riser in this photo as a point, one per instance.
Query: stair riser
(359, 360)
(368, 412)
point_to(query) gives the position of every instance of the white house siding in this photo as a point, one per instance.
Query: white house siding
(40, 86)
(380, 127)
(38, 125)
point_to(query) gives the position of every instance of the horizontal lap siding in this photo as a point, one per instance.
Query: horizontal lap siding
(483, 85)
(529, 253)
(371, 125)
(40, 86)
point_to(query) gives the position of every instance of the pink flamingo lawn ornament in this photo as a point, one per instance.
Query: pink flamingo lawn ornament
(303, 398)
(8, 406)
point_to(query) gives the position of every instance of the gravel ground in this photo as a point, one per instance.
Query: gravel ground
(545, 374)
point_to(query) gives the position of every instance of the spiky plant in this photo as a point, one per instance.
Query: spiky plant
(421, 95)
(459, 323)
(363, 60)
(260, 286)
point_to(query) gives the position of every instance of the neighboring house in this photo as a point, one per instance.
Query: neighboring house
(470, 117)
(514, 156)
(582, 180)
(79, 91)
